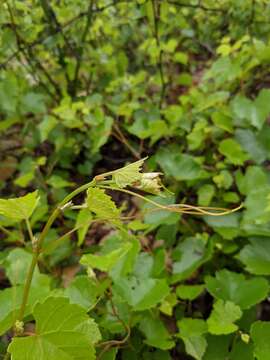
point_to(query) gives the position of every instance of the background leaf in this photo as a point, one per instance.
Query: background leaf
(20, 208)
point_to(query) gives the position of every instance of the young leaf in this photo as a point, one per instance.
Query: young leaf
(129, 174)
(83, 221)
(222, 317)
(63, 331)
(102, 205)
(105, 262)
(150, 182)
(228, 285)
(19, 208)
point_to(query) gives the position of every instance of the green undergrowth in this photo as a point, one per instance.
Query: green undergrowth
(138, 131)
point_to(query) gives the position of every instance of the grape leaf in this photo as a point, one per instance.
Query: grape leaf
(11, 299)
(242, 350)
(222, 317)
(83, 291)
(83, 222)
(228, 285)
(191, 253)
(260, 334)
(105, 262)
(20, 208)
(189, 292)
(102, 205)
(63, 331)
(17, 264)
(142, 293)
(232, 151)
(192, 333)
(129, 174)
(256, 256)
(156, 333)
(217, 347)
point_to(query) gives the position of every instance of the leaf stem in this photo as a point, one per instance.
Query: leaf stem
(5, 231)
(30, 232)
(37, 245)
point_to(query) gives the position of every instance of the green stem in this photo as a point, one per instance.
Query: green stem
(37, 247)
(5, 231)
(7, 356)
(29, 229)
(27, 285)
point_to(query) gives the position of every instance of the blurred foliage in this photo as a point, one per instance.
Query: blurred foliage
(89, 86)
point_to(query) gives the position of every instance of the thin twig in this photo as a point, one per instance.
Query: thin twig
(55, 26)
(195, 6)
(160, 52)
(5, 231)
(121, 137)
(108, 344)
(30, 57)
(74, 84)
(56, 31)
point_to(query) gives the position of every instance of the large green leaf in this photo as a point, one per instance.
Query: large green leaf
(249, 142)
(17, 264)
(83, 291)
(11, 299)
(242, 350)
(217, 347)
(255, 112)
(192, 333)
(178, 165)
(230, 286)
(19, 208)
(256, 256)
(260, 334)
(257, 205)
(227, 226)
(232, 151)
(189, 255)
(262, 108)
(156, 333)
(63, 331)
(142, 293)
(255, 177)
(160, 217)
